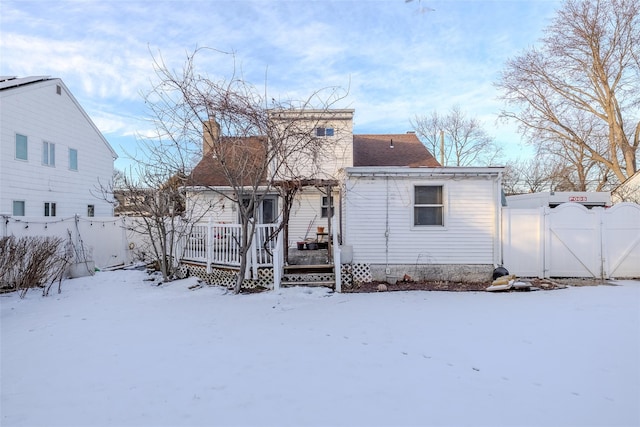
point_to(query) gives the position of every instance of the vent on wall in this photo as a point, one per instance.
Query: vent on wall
(59, 89)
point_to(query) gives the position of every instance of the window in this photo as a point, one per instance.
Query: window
(48, 154)
(18, 208)
(91, 210)
(49, 209)
(327, 202)
(73, 159)
(324, 131)
(59, 89)
(21, 147)
(428, 206)
(267, 211)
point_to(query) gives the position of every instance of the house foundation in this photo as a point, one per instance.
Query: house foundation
(427, 272)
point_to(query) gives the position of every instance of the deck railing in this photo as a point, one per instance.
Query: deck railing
(219, 244)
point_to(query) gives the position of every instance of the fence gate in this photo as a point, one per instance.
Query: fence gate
(573, 244)
(621, 240)
(572, 241)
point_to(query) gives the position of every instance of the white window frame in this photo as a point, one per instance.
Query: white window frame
(326, 202)
(26, 147)
(442, 206)
(49, 208)
(24, 207)
(71, 165)
(260, 210)
(91, 210)
(48, 154)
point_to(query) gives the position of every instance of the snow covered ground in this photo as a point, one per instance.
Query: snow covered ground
(114, 350)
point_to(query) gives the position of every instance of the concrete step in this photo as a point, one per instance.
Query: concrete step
(311, 283)
(308, 269)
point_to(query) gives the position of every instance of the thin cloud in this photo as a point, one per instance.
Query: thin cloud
(394, 62)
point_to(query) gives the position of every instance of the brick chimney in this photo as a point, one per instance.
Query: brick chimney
(210, 135)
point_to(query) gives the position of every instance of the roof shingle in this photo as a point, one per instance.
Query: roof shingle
(376, 150)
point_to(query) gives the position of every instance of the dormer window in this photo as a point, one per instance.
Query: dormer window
(324, 131)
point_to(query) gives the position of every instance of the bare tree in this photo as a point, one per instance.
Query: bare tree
(253, 142)
(545, 172)
(577, 95)
(153, 196)
(629, 192)
(466, 143)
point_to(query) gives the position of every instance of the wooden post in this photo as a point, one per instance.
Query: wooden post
(337, 263)
(329, 221)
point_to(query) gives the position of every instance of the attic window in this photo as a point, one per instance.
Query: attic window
(324, 131)
(59, 89)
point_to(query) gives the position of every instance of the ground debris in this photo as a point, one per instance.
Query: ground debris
(458, 286)
(411, 285)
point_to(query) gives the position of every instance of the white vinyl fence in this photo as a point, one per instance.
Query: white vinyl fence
(567, 241)
(572, 241)
(103, 240)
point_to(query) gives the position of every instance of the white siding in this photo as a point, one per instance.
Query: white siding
(376, 206)
(36, 111)
(306, 215)
(203, 205)
(336, 151)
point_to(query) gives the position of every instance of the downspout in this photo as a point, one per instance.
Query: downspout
(387, 270)
(340, 230)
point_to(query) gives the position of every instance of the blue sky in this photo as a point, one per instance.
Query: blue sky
(397, 59)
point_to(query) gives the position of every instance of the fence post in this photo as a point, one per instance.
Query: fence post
(208, 250)
(126, 256)
(337, 263)
(5, 227)
(604, 259)
(278, 252)
(546, 242)
(254, 251)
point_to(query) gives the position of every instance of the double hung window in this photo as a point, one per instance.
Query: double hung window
(73, 159)
(48, 154)
(428, 208)
(327, 204)
(49, 209)
(21, 147)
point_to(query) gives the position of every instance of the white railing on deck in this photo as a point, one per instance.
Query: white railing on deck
(196, 244)
(265, 241)
(219, 244)
(224, 244)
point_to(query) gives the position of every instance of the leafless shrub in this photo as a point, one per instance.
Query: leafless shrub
(31, 262)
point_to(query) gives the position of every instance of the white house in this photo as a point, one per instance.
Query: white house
(628, 191)
(424, 222)
(397, 211)
(315, 202)
(53, 158)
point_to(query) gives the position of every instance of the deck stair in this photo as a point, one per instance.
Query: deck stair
(309, 275)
